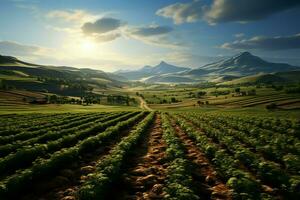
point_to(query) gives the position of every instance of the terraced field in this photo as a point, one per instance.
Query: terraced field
(148, 155)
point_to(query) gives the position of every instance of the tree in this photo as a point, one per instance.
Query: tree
(237, 90)
(200, 94)
(200, 103)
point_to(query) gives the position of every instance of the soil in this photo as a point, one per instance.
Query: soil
(208, 184)
(145, 174)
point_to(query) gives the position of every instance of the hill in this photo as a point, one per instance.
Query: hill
(279, 77)
(63, 80)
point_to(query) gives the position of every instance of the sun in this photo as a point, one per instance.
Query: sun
(88, 46)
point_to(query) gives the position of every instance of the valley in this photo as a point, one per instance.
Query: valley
(162, 132)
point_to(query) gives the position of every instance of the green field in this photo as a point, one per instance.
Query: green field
(175, 155)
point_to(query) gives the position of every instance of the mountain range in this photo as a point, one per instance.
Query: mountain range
(236, 69)
(148, 71)
(240, 65)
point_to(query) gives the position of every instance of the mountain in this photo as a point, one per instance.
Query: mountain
(243, 64)
(168, 79)
(240, 65)
(149, 71)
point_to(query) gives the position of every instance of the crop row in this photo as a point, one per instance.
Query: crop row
(25, 156)
(109, 169)
(283, 126)
(268, 171)
(46, 135)
(242, 182)
(179, 180)
(38, 130)
(9, 120)
(31, 125)
(276, 147)
(45, 168)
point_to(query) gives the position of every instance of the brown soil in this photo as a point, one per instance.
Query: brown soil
(204, 175)
(145, 175)
(67, 182)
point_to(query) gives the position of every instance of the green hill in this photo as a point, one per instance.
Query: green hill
(279, 77)
(55, 79)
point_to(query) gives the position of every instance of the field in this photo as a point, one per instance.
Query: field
(148, 155)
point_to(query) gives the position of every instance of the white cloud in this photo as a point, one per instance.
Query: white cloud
(266, 43)
(183, 12)
(77, 16)
(239, 35)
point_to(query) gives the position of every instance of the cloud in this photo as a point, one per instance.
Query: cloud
(183, 12)
(77, 16)
(246, 10)
(153, 35)
(151, 31)
(225, 10)
(239, 35)
(266, 43)
(14, 48)
(191, 59)
(107, 37)
(102, 25)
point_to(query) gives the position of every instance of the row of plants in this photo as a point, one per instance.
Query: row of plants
(243, 184)
(36, 129)
(268, 171)
(26, 124)
(277, 148)
(60, 131)
(110, 168)
(25, 156)
(20, 182)
(179, 180)
(9, 120)
(283, 126)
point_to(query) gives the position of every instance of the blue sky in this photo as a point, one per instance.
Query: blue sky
(118, 34)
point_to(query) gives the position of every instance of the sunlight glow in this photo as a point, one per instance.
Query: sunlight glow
(88, 46)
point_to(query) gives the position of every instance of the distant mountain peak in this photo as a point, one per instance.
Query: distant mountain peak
(162, 63)
(243, 63)
(245, 53)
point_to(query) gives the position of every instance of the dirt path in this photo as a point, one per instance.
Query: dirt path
(204, 175)
(67, 182)
(144, 105)
(145, 175)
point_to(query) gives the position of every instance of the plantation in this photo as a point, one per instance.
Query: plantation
(149, 155)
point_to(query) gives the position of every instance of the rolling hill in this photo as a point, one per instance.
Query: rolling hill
(55, 79)
(278, 77)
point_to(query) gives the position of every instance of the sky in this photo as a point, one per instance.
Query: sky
(115, 34)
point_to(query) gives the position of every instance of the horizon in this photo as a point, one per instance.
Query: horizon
(110, 36)
(160, 62)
